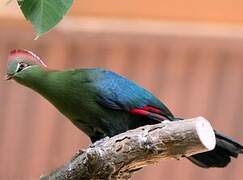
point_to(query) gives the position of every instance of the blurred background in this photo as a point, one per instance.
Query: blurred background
(188, 53)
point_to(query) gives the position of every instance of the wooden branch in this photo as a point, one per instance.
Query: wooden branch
(119, 156)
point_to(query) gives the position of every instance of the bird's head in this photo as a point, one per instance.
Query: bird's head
(22, 62)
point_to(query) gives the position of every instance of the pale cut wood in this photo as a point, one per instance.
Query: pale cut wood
(120, 156)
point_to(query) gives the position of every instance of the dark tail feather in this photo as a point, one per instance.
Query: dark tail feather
(221, 155)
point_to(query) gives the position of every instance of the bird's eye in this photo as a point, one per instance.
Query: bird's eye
(21, 66)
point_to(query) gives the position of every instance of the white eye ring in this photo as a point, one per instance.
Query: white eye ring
(21, 67)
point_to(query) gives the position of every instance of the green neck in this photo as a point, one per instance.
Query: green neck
(34, 78)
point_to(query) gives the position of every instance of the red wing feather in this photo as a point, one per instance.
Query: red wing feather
(150, 112)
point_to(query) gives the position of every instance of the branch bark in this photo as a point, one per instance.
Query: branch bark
(120, 156)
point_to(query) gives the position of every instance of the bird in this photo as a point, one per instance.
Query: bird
(103, 103)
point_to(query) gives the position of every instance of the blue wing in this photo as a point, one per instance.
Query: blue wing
(119, 93)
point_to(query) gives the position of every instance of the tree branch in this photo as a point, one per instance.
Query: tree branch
(119, 156)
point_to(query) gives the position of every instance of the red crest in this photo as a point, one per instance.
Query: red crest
(26, 55)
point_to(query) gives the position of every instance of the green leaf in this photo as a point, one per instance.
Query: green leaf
(44, 14)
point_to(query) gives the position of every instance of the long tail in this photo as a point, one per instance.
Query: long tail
(221, 155)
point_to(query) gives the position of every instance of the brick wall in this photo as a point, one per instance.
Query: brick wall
(194, 75)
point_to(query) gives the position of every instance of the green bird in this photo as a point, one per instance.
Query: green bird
(102, 103)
